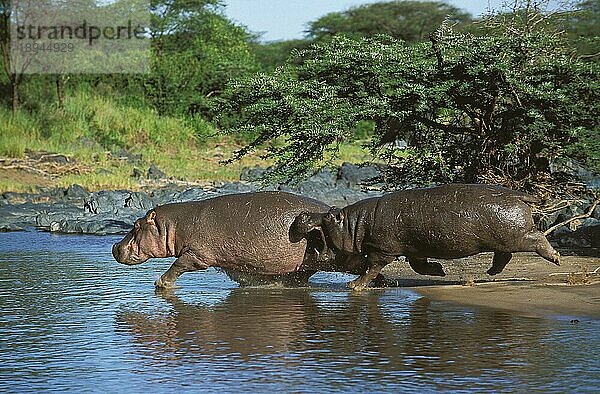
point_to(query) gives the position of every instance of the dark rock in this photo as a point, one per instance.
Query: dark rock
(54, 158)
(97, 226)
(236, 187)
(570, 169)
(12, 197)
(155, 173)
(355, 176)
(193, 194)
(131, 158)
(139, 201)
(561, 215)
(164, 196)
(560, 232)
(253, 174)
(8, 227)
(76, 191)
(590, 222)
(45, 219)
(324, 186)
(106, 201)
(583, 237)
(20, 216)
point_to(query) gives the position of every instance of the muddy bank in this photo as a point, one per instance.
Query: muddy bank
(528, 284)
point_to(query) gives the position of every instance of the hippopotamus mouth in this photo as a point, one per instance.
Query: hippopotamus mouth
(126, 255)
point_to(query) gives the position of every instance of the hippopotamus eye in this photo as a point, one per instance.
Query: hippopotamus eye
(137, 225)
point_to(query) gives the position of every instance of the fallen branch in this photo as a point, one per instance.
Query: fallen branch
(589, 213)
(25, 168)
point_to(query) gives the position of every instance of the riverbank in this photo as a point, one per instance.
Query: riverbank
(529, 284)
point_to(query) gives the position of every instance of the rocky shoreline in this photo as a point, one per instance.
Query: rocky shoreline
(74, 210)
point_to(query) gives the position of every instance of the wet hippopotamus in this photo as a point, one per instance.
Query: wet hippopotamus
(244, 234)
(444, 222)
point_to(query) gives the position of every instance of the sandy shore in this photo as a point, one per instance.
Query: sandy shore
(529, 284)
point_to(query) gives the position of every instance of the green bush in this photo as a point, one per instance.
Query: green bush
(471, 108)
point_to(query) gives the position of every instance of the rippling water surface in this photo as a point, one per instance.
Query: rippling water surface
(73, 319)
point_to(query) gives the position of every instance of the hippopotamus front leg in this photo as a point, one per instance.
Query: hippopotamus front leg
(185, 263)
(421, 266)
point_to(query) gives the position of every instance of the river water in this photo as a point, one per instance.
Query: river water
(72, 319)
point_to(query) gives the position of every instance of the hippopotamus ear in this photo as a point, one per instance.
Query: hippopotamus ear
(335, 214)
(150, 218)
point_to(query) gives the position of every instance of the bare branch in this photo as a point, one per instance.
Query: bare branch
(582, 216)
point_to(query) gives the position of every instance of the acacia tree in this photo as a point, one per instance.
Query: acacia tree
(471, 108)
(410, 21)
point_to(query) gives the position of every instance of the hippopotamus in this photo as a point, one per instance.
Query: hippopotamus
(244, 234)
(443, 222)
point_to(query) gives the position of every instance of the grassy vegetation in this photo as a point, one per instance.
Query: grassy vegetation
(96, 130)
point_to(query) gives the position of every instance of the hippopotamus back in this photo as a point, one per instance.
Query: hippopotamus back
(451, 221)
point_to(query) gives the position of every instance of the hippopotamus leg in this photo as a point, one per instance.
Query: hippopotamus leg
(499, 262)
(421, 266)
(537, 242)
(379, 281)
(375, 262)
(185, 263)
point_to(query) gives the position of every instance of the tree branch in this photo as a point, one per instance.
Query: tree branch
(582, 216)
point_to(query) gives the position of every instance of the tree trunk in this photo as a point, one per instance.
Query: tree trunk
(14, 81)
(60, 91)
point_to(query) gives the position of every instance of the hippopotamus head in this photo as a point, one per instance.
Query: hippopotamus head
(329, 224)
(149, 238)
(308, 221)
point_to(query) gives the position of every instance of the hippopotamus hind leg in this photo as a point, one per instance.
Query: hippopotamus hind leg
(499, 262)
(421, 266)
(537, 242)
(185, 263)
(375, 262)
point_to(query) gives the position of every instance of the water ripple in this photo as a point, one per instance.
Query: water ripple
(73, 319)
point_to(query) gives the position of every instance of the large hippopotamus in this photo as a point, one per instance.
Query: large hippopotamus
(444, 222)
(245, 234)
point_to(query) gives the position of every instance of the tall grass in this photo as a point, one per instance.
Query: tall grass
(90, 123)
(92, 128)
(18, 133)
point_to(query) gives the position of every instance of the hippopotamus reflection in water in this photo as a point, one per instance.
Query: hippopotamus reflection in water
(444, 222)
(247, 235)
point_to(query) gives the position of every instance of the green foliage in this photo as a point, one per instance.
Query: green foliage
(583, 28)
(274, 54)
(410, 21)
(196, 51)
(497, 106)
(92, 121)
